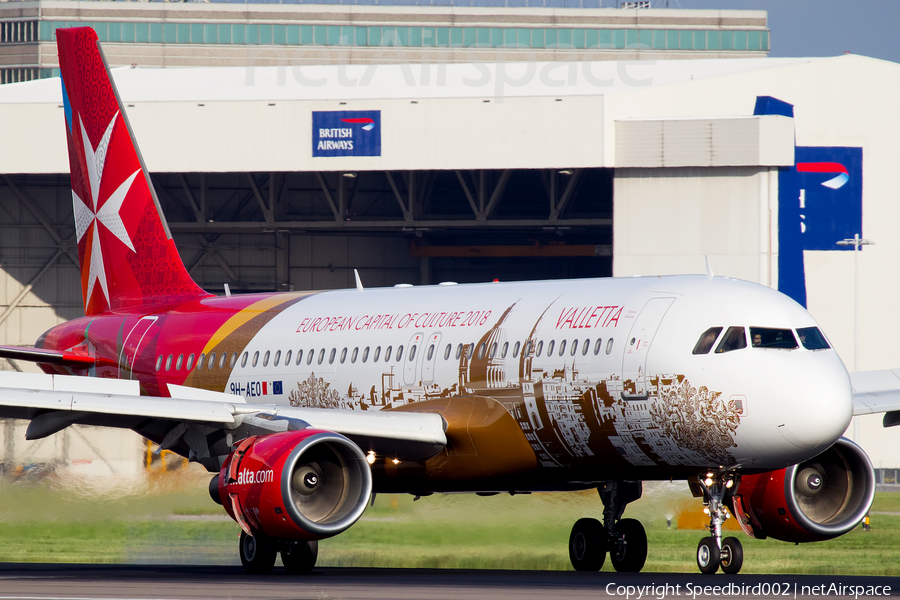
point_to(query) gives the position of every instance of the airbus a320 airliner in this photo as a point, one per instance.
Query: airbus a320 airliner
(304, 404)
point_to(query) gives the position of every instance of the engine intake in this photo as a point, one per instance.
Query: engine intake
(816, 500)
(306, 484)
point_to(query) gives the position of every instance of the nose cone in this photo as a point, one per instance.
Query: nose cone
(821, 407)
(800, 403)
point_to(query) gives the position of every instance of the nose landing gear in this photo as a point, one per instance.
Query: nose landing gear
(624, 539)
(714, 552)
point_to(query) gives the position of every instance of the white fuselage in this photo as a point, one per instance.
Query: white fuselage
(610, 366)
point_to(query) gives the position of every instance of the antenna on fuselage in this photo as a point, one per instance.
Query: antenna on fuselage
(709, 271)
(227, 291)
(358, 280)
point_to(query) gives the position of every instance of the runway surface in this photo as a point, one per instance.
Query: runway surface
(138, 582)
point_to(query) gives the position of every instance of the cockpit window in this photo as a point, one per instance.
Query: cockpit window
(812, 338)
(764, 337)
(706, 341)
(734, 339)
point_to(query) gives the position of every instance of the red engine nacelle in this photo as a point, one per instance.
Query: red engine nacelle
(816, 500)
(299, 485)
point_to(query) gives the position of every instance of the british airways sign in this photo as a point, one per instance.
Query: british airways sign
(346, 133)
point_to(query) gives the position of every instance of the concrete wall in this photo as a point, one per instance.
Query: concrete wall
(666, 221)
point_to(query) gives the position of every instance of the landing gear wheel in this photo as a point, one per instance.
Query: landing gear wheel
(587, 545)
(629, 552)
(257, 554)
(299, 557)
(708, 556)
(732, 555)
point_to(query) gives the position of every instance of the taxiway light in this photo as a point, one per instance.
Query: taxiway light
(370, 458)
(395, 461)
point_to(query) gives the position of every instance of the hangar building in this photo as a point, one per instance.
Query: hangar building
(560, 168)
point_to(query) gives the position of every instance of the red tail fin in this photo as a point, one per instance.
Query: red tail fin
(128, 258)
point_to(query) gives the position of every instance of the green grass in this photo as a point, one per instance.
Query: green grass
(173, 523)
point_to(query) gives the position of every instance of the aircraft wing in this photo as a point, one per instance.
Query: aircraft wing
(53, 402)
(877, 392)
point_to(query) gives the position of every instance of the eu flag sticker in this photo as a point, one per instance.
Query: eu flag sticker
(276, 387)
(346, 133)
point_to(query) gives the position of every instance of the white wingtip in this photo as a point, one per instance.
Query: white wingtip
(709, 271)
(358, 280)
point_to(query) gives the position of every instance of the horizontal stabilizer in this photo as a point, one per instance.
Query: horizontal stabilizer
(48, 357)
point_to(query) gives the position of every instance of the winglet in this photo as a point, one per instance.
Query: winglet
(709, 271)
(358, 280)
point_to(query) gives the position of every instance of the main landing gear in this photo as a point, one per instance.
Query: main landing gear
(713, 551)
(624, 539)
(258, 554)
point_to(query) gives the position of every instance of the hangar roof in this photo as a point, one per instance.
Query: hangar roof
(464, 116)
(401, 81)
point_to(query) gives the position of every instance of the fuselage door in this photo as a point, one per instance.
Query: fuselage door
(412, 359)
(138, 336)
(432, 349)
(637, 346)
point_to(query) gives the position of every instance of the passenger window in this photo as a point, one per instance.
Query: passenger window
(481, 350)
(266, 359)
(354, 354)
(168, 362)
(387, 353)
(310, 355)
(277, 358)
(244, 360)
(516, 350)
(179, 361)
(528, 348)
(550, 347)
(540, 346)
(287, 358)
(321, 356)
(299, 357)
(234, 356)
(222, 360)
(470, 351)
(734, 339)
(447, 351)
(255, 359)
(764, 337)
(706, 341)
(504, 350)
(377, 354)
(597, 345)
(585, 347)
(190, 362)
(366, 354)
(200, 361)
(412, 352)
(574, 349)
(458, 351)
(343, 355)
(562, 347)
(609, 345)
(493, 351)
(331, 356)
(212, 360)
(399, 353)
(810, 337)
